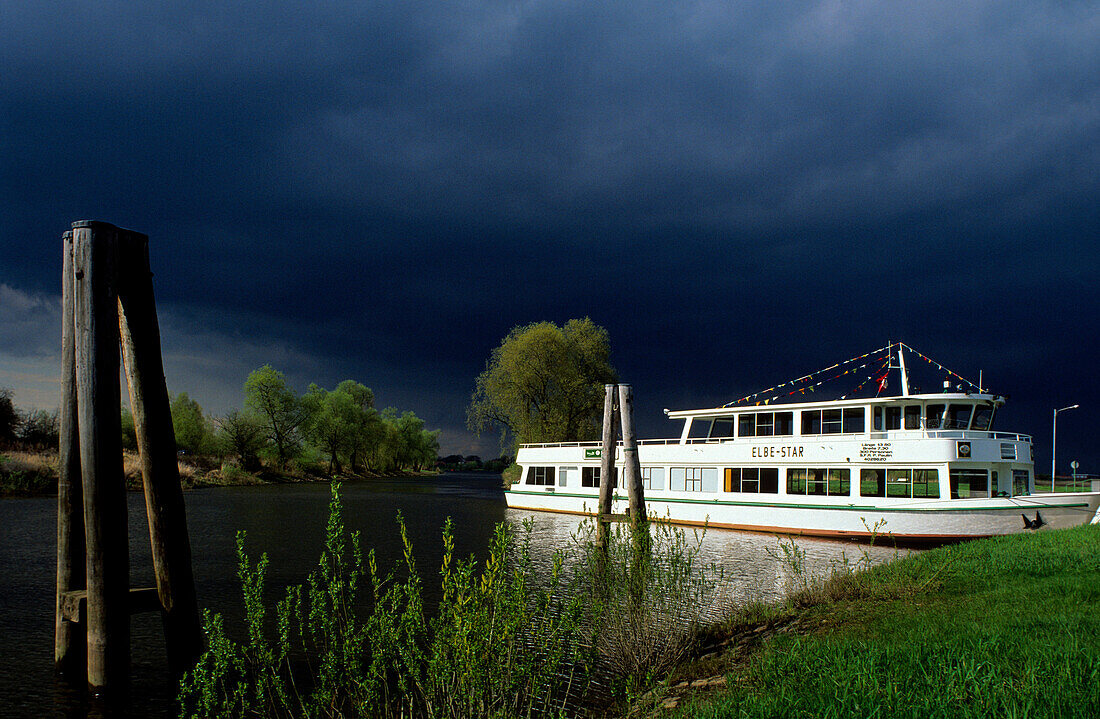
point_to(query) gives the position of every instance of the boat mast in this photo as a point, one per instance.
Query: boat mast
(904, 374)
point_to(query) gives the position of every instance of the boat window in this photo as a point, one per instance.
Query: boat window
(784, 423)
(653, 477)
(590, 477)
(700, 429)
(969, 483)
(898, 483)
(689, 479)
(912, 416)
(752, 480)
(721, 428)
(958, 416)
(933, 416)
(811, 421)
(831, 422)
(710, 479)
(746, 425)
(765, 424)
(926, 483)
(878, 419)
(854, 419)
(540, 475)
(567, 476)
(736, 478)
(1008, 450)
(839, 482)
(796, 480)
(1021, 482)
(872, 483)
(983, 418)
(818, 481)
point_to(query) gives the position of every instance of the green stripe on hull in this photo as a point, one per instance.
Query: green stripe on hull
(847, 507)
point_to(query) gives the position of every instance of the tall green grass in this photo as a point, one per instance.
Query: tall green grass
(354, 641)
(505, 641)
(996, 628)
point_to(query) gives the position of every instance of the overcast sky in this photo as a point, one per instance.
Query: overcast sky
(739, 192)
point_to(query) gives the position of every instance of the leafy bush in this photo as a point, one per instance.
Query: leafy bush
(352, 641)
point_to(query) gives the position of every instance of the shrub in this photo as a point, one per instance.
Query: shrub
(352, 641)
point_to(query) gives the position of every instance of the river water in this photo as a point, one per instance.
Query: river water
(288, 522)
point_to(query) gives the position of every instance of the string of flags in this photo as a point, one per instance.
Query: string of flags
(879, 374)
(808, 377)
(939, 366)
(883, 368)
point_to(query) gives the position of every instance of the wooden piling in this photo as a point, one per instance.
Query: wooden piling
(69, 640)
(107, 565)
(632, 470)
(607, 464)
(164, 505)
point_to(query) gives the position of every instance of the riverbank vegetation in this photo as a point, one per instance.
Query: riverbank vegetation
(507, 638)
(1001, 627)
(278, 436)
(998, 627)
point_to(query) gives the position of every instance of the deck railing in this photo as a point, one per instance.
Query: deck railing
(895, 435)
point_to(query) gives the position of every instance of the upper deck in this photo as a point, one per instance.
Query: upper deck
(946, 416)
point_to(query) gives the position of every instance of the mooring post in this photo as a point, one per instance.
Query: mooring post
(107, 567)
(69, 639)
(607, 465)
(632, 469)
(164, 505)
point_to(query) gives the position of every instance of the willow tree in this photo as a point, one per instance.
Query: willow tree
(267, 395)
(544, 383)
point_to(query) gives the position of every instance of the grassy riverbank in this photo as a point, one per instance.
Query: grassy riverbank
(35, 473)
(1008, 627)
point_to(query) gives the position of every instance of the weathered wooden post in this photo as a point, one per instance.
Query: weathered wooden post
(632, 469)
(69, 638)
(607, 465)
(107, 566)
(632, 478)
(156, 440)
(107, 296)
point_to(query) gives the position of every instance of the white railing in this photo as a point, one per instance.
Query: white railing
(894, 435)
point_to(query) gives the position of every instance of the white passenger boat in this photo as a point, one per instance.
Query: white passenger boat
(916, 467)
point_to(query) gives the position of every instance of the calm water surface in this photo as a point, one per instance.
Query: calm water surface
(287, 522)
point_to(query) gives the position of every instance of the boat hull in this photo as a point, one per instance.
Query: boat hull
(911, 521)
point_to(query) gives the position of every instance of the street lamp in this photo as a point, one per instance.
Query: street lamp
(1054, 442)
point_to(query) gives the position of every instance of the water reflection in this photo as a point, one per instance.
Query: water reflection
(752, 566)
(288, 522)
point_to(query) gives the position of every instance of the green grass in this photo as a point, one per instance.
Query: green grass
(1008, 627)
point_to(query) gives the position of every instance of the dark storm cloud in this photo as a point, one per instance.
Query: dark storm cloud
(737, 191)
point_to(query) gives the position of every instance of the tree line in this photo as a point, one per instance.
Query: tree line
(276, 427)
(33, 430)
(340, 427)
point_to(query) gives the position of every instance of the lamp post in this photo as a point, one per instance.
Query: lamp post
(1054, 442)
